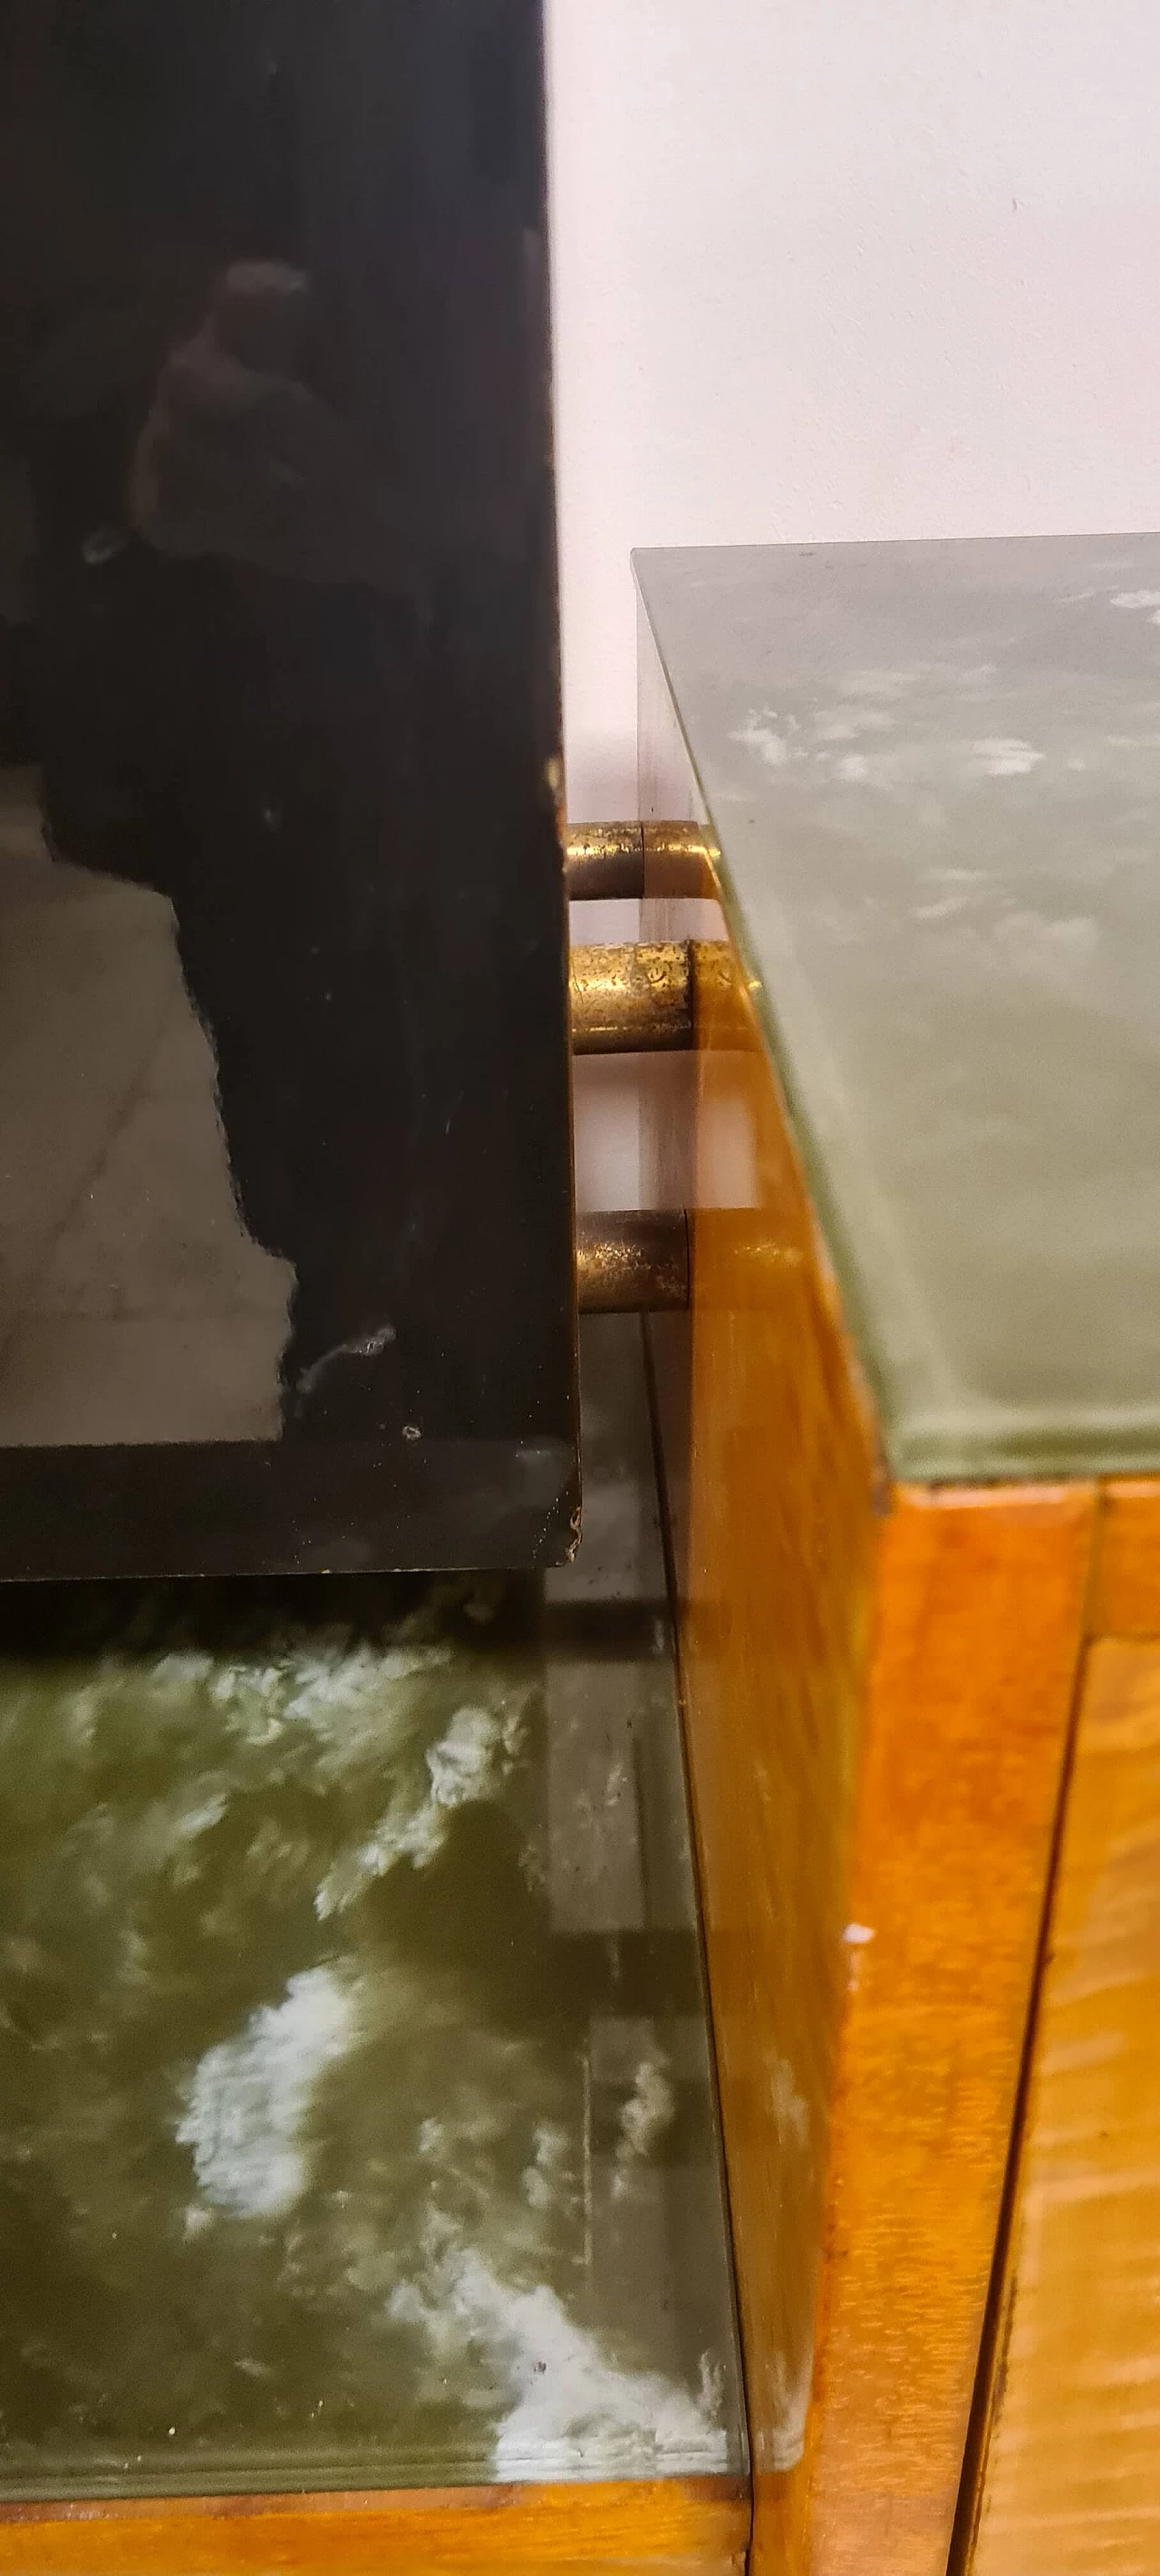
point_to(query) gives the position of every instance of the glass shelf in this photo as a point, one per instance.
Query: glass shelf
(358, 2128)
(934, 773)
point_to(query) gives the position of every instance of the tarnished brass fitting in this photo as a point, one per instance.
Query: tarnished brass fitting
(680, 859)
(639, 860)
(604, 860)
(634, 1000)
(634, 1261)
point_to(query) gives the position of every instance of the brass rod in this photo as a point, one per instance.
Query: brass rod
(638, 860)
(634, 1261)
(680, 859)
(633, 1000)
(604, 860)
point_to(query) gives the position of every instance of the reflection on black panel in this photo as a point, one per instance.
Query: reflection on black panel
(283, 1083)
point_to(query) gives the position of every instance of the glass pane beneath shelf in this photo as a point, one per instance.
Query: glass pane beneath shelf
(357, 2121)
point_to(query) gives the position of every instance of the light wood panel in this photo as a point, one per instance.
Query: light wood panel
(672, 2528)
(878, 1690)
(776, 1583)
(979, 1609)
(1071, 2478)
(1126, 1591)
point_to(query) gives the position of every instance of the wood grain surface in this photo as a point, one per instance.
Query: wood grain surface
(675, 2528)
(1071, 2479)
(777, 1556)
(978, 1626)
(878, 1691)
(1126, 1590)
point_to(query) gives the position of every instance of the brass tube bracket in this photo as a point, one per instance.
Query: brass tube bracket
(639, 861)
(634, 1000)
(632, 1262)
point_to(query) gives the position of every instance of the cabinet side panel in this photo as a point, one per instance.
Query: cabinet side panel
(978, 1619)
(1126, 1587)
(878, 1690)
(775, 1544)
(1071, 2475)
(683, 2527)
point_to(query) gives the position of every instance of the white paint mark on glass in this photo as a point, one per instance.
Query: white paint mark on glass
(1003, 756)
(849, 724)
(786, 2439)
(463, 1765)
(760, 734)
(250, 2096)
(470, 1763)
(546, 2180)
(573, 2410)
(948, 909)
(649, 2111)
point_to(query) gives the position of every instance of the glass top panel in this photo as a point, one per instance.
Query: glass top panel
(934, 771)
(357, 2126)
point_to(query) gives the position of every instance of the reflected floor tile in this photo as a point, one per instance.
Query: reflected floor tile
(183, 1063)
(116, 1206)
(80, 1380)
(88, 979)
(157, 1230)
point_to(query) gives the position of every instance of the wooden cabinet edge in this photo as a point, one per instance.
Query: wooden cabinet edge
(1125, 1599)
(1064, 2463)
(979, 1612)
(682, 2523)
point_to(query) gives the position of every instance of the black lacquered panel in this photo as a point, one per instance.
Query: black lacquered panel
(285, 1220)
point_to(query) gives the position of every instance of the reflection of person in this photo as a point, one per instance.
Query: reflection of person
(269, 328)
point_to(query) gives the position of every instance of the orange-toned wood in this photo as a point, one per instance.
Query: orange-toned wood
(878, 1691)
(1071, 2478)
(1126, 1590)
(680, 2527)
(979, 1614)
(775, 1598)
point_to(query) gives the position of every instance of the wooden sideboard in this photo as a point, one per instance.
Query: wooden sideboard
(911, 1429)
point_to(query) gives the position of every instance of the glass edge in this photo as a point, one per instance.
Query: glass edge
(283, 2483)
(912, 1452)
(1062, 1455)
(855, 1302)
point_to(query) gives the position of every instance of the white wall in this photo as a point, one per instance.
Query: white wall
(841, 268)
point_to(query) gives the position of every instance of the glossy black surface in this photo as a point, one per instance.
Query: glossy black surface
(285, 1221)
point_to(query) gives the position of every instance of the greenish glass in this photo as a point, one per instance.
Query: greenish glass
(934, 773)
(357, 2125)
